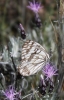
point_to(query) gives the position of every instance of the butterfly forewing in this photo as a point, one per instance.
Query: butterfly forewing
(34, 57)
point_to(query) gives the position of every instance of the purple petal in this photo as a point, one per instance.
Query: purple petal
(34, 6)
(49, 70)
(10, 93)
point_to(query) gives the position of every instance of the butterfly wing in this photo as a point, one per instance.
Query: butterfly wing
(34, 57)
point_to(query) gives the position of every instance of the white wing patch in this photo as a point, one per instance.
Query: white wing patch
(34, 57)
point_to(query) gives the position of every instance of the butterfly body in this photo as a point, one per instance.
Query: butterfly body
(34, 57)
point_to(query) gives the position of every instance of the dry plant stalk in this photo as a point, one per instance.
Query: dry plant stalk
(61, 8)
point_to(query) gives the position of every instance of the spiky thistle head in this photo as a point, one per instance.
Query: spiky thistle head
(11, 93)
(34, 6)
(49, 70)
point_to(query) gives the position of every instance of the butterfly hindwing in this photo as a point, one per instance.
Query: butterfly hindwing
(34, 57)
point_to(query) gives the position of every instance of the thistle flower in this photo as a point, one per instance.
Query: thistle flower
(36, 21)
(21, 27)
(35, 6)
(49, 71)
(45, 85)
(22, 31)
(42, 85)
(11, 94)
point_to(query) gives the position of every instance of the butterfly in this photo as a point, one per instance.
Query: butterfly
(34, 57)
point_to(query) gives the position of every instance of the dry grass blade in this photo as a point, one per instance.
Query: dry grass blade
(55, 31)
(61, 8)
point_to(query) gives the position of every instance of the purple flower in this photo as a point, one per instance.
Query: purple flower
(35, 6)
(21, 27)
(49, 71)
(42, 81)
(11, 94)
(22, 31)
